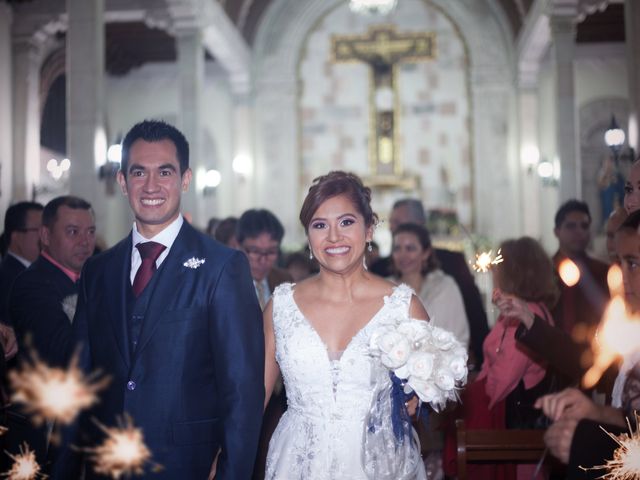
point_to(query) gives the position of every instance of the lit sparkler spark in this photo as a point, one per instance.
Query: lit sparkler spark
(618, 333)
(625, 464)
(123, 452)
(485, 260)
(54, 394)
(569, 272)
(24, 466)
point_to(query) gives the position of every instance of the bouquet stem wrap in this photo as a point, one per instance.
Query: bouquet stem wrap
(391, 447)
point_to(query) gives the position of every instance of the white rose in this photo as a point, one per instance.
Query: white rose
(395, 350)
(420, 365)
(443, 339)
(444, 380)
(374, 340)
(458, 368)
(426, 390)
(414, 329)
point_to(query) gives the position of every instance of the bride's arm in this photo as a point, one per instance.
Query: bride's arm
(271, 370)
(417, 310)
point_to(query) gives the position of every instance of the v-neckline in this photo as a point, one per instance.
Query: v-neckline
(324, 345)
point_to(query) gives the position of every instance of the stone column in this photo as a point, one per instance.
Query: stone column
(563, 46)
(27, 57)
(243, 181)
(529, 145)
(86, 138)
(632, 32)
(6, 121)
(191, 74)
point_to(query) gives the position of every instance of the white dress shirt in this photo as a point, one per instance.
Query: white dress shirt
(166, 237)
(22, 260)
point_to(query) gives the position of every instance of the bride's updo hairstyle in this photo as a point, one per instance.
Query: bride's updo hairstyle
(331, 185)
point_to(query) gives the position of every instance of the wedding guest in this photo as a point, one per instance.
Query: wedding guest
(299, 265)
(511, 378)
(226, 232)
(259, 234)
(318, 333)
(42, 304)
(575, 436)
(614, 222)
(411, 210)
(416, 265)
(631, 199)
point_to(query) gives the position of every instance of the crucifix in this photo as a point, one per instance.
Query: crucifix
(382, 49)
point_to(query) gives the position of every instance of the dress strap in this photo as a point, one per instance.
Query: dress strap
(400, 298)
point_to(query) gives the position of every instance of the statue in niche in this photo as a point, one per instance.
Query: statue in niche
(611, 187)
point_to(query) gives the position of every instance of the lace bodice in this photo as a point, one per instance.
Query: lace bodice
(327, 399)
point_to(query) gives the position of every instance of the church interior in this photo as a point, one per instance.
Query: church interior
(492, 112)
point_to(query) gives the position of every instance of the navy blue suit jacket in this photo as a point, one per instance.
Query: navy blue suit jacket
(195, 382)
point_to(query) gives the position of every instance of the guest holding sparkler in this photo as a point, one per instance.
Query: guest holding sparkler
(575, 437)
(511, 378)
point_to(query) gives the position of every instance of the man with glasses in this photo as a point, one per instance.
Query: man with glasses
(259, 234)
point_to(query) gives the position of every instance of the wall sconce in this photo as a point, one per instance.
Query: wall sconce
(548, 172)
(242, 165)
(530, 156)
(211, 180)
(109, 170)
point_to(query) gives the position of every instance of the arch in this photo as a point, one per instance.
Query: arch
(278, 45)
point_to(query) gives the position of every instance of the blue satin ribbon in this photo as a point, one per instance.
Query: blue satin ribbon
(400, 419)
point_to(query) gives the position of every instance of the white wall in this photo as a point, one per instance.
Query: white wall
(152, 91)
(5, 108)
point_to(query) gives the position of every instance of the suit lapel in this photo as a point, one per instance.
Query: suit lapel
(171, 275)
(118, 273)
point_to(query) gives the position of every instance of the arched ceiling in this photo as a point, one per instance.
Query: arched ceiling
(597, 27)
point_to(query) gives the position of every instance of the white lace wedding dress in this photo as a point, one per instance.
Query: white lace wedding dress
(329, 395)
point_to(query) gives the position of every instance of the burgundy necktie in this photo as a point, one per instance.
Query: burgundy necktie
(149, 252)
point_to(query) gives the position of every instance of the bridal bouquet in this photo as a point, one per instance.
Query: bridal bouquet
(428, 360)
(423, 359)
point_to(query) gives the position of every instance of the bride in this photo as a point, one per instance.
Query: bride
(317, 336)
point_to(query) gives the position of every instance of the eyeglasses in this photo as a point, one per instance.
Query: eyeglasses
(257, 253)
(30, 229)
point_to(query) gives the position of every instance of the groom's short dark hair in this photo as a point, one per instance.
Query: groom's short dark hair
(155, 131)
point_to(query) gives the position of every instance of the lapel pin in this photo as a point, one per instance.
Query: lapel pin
(194, 262)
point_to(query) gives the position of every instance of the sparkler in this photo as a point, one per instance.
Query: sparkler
(54, 394)
(485, 260)
(24, 466)
(618, 333)
(569, 272)
(123, 452)
(625, 464)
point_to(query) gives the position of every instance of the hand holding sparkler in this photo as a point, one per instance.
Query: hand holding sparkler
(559, 437)
(512, 306)
(570, 403)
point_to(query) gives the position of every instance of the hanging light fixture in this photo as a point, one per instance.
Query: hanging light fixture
(372, 7)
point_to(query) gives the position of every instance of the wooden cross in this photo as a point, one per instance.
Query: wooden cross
(382, 48)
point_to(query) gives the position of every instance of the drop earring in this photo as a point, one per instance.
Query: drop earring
(310, 253)
(369, 247)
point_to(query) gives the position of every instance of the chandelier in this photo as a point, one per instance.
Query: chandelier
(372, 7)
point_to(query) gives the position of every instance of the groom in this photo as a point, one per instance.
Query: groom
(172, 317)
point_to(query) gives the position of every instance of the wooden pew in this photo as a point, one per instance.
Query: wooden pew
(497, 446)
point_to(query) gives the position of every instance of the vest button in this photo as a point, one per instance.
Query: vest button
(131, 385)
